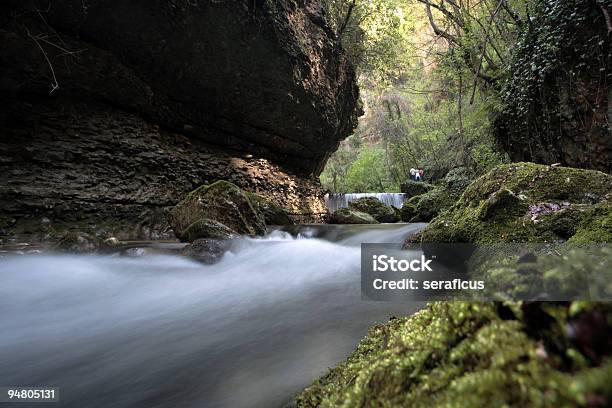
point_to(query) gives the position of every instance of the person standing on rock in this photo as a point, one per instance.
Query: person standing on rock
(421, 172)
(413, 174)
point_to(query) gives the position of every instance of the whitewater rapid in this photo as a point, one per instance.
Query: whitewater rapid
(163, 331)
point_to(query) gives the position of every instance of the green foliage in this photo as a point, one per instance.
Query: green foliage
(368, 173)
(419, 108)
(370, 32)
(360, 170)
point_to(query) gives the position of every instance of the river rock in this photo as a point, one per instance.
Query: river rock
(207, 251)
(376, 208)
(351, 216)
(424, 207)
(222, 202)
(77, 242)
(273, 213)
(206, 228)
(414, 188)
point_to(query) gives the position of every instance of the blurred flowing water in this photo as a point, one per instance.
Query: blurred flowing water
(162, 331)
(335, 201)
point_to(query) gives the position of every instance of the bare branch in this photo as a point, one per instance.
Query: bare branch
(347, 18)
(54, 84)
(484, 46)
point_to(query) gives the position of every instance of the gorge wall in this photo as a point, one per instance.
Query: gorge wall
(116, 110)
(557, 102)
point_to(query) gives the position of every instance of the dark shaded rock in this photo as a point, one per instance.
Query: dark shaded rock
(267, 77)
(158, 98)
(78, 242)
(558, 100)
(206, 228)
(415, 188)
(425, 207)
(207, 251)
(273, 214)
(350, 216)
(376, 208)
(409, 210)
(222, 202)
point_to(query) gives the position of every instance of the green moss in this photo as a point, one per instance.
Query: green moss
(538, 182)
(494, 208)
(456, 354)
(596, 226)
(221, 201)
(424, 207)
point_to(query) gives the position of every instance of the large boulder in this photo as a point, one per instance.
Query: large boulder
(264, 77)
(526, 202)
(222, 202)
(273, 213)
(414, 188)
(376, 208)
(206, 228)
(143, 101)
(350, 216)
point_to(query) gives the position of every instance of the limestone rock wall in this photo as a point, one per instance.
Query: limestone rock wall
(116, 109)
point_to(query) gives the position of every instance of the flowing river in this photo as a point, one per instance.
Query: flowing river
(159, 330)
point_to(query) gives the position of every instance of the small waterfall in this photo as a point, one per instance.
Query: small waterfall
(341, 200)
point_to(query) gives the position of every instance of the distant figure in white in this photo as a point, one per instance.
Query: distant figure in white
(413, 173)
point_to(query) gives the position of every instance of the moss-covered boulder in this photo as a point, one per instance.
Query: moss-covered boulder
(526, 202)
(376, 208)
(414, 188)
(221, 201)
(350, 216)
(207, 228)
(473, 355)
(425, 207)
(273, 214)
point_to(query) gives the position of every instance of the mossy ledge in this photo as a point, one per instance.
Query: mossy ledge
(527, 202)
(468, 354)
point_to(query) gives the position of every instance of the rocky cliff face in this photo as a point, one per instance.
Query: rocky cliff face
(116, 110)
(558, 101)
